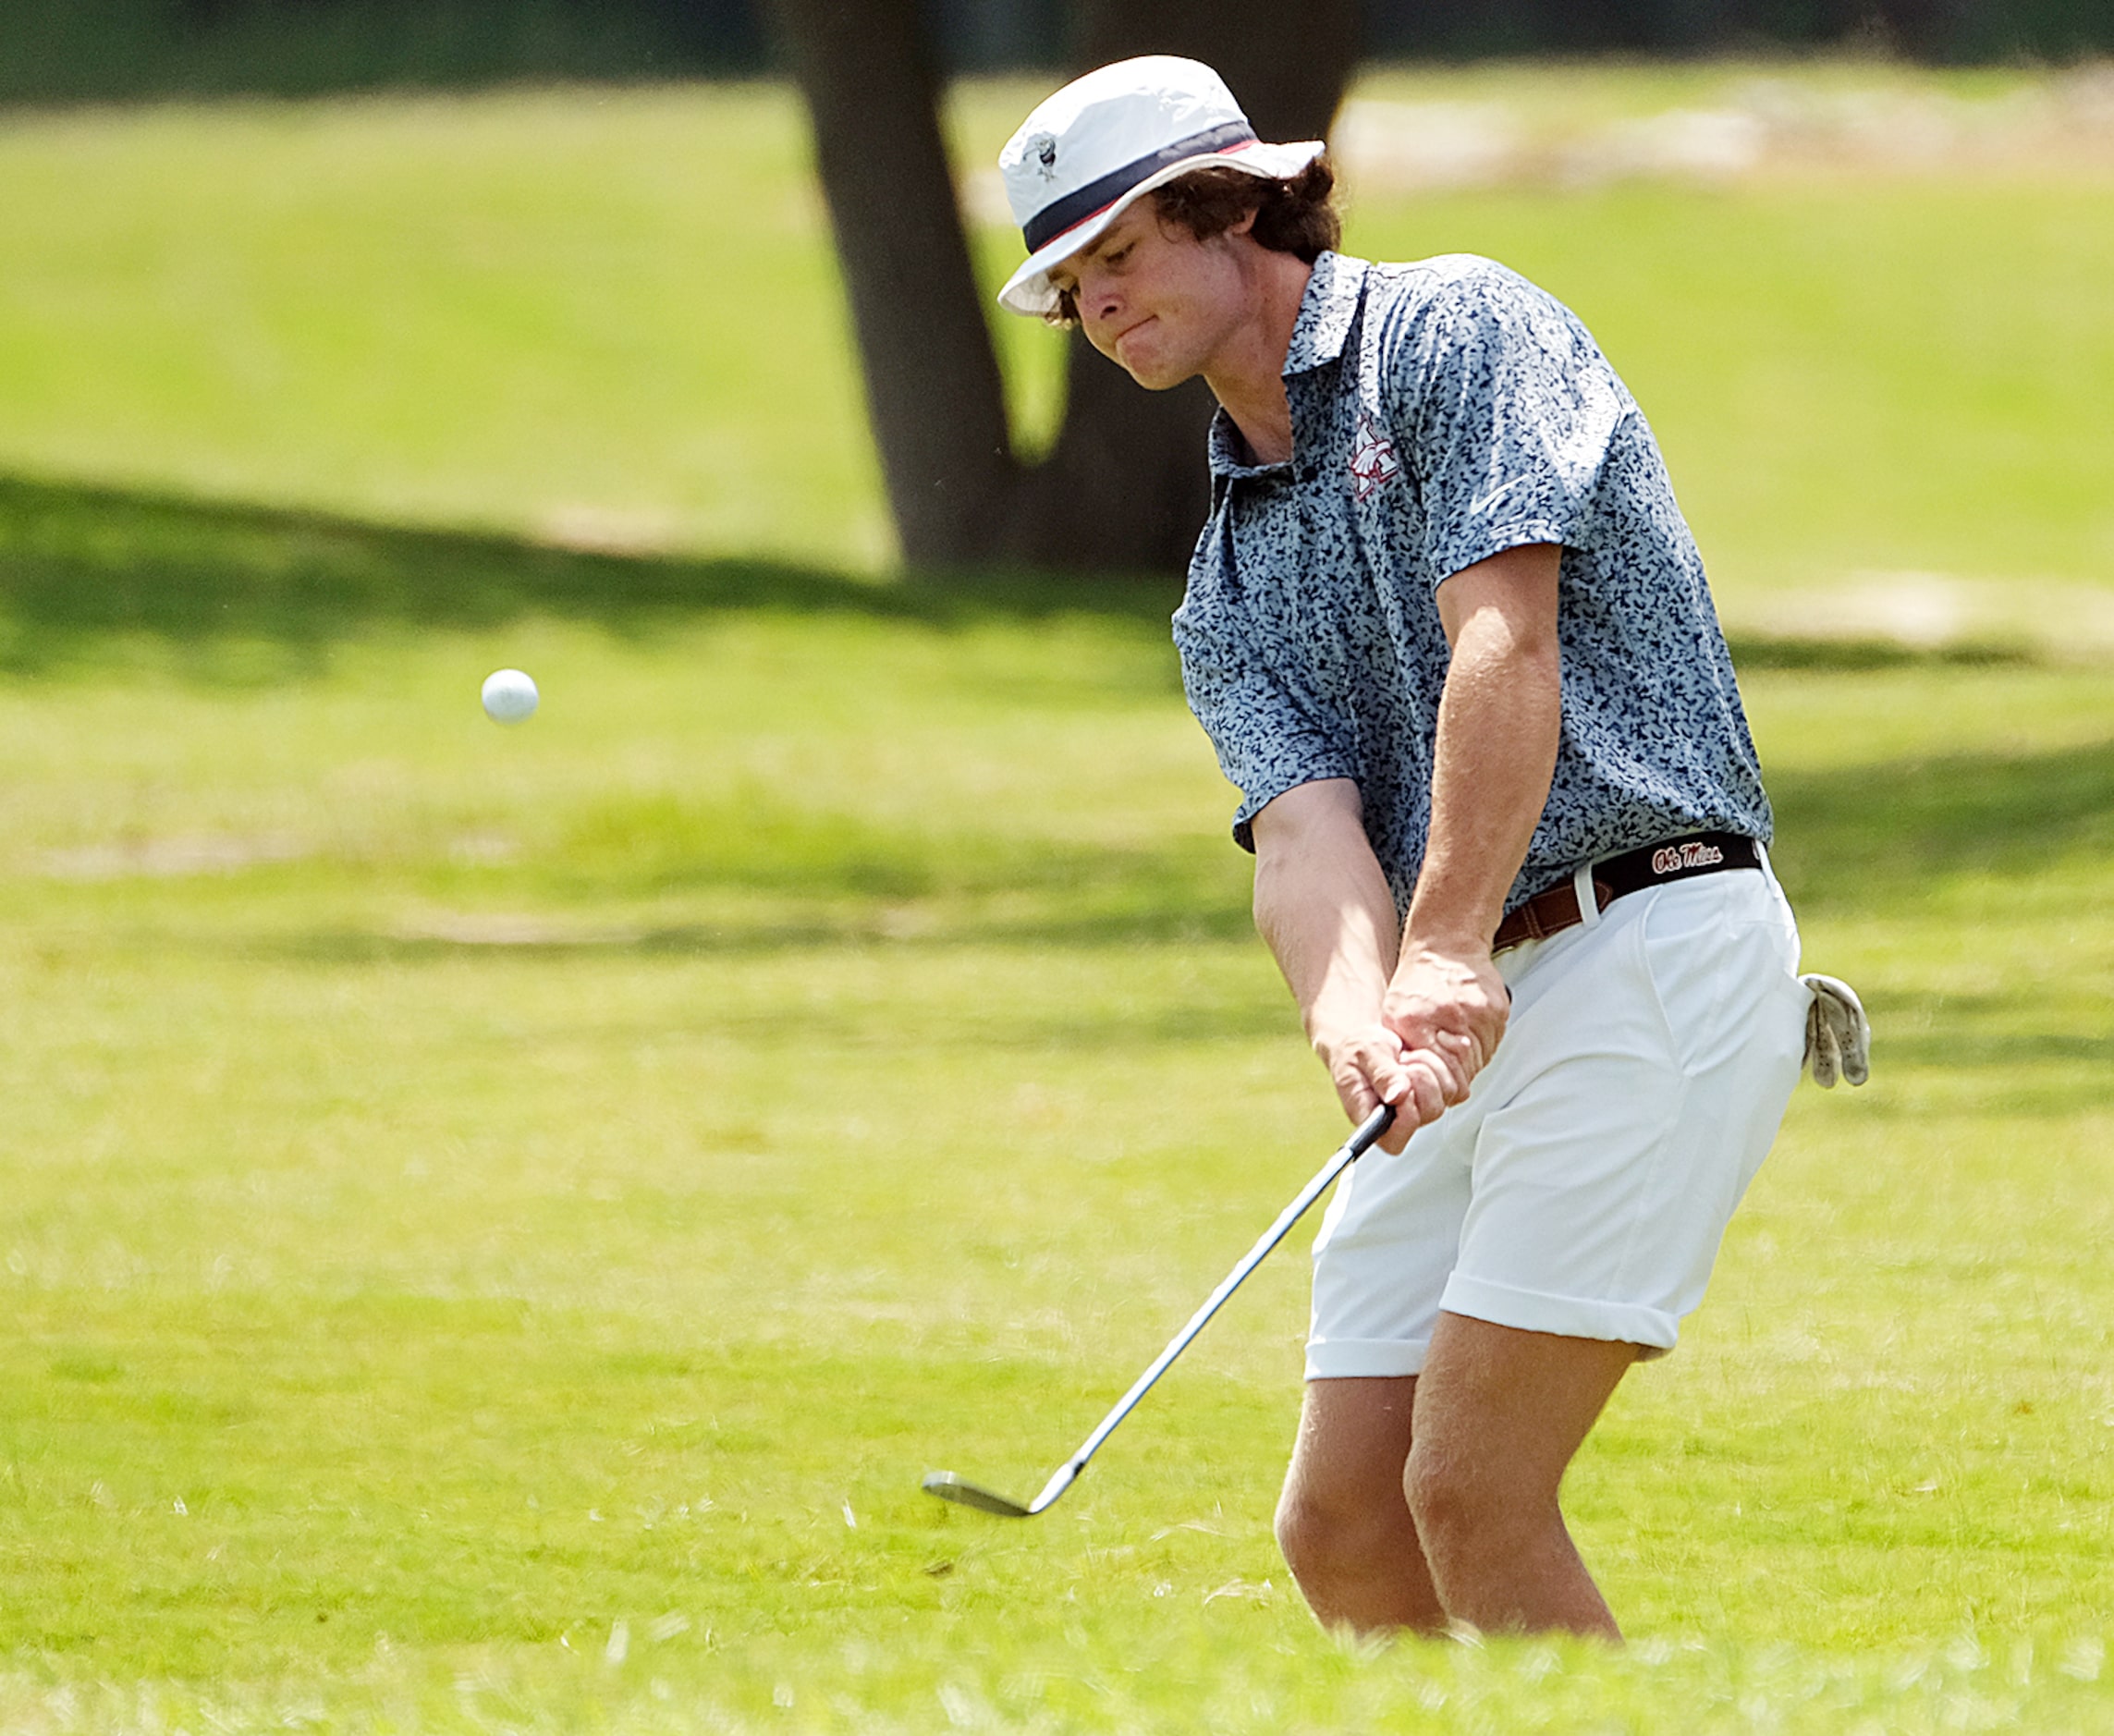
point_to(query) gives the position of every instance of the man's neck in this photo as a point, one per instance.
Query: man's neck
(1248, 375)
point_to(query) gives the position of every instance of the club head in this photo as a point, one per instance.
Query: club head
(949, 1487)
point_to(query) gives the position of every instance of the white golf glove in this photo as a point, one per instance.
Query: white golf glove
(1838, 1034)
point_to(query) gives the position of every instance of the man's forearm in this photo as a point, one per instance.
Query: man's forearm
(1325, 909)
(1499, 720)
(1323, 906)
(1499, 725)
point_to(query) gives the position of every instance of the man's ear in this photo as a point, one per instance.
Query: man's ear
(1247, 221)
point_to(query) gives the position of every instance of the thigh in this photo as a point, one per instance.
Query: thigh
(1353, 1442)
(1508, 1409)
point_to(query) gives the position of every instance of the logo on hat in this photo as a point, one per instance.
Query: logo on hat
(1042, 148)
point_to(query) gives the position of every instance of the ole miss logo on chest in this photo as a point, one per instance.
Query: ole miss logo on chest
(1373, 460)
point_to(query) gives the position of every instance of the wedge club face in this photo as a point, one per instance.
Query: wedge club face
(949, 1487)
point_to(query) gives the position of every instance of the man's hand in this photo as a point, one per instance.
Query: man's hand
(1448, 1001)
(1370, 1065)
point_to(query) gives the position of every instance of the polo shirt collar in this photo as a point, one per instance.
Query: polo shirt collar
(1327, 312)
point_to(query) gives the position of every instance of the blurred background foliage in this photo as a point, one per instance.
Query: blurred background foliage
(57, 51)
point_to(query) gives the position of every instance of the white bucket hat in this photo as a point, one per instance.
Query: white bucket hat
(1085, 153)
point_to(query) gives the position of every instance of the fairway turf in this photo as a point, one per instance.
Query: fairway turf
(498, 1221)
(479, 1193)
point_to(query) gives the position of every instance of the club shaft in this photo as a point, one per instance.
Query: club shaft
(1346, 1155)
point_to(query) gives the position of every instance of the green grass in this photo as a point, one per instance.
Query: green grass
(497, 1221)
(613, 315)
(527, 311)
(1843, 378)
(474, 1193)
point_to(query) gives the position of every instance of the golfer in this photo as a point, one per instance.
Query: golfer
(1451, 638)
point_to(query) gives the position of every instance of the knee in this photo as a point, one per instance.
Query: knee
(1322, 1538)
(1459, 1503)
(1304, 1528)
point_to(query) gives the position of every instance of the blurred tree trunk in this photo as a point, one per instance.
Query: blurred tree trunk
(932, 389)
(1125, 486)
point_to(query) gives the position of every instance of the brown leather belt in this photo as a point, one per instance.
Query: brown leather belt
(1552, 911)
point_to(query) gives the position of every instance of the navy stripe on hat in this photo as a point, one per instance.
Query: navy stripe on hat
(1053, 220)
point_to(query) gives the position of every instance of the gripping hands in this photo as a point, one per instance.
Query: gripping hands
(1440, 1024)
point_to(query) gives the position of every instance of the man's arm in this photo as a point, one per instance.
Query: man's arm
(1322, 907)
(1498, 724)
(1411, 1023)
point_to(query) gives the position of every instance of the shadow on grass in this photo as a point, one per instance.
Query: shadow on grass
(84, 566)
(1855, 656)
(1874, 838)
(1211, 922)
(81, 564)
(1862, 842)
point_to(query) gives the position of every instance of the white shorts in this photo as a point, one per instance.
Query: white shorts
(1584, 1186)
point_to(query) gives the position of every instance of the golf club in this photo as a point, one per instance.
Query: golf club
(949, 1487)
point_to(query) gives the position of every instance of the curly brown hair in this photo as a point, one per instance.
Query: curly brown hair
(1297, 216)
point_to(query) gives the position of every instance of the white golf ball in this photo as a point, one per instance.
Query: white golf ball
(509, 696)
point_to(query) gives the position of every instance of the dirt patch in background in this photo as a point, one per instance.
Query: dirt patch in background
(1926, 611)
(1547, 131)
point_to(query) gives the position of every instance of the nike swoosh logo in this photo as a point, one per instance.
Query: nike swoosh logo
(1482, 503)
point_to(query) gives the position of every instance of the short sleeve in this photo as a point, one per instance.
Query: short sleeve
(1507, 410)
(1269, 736)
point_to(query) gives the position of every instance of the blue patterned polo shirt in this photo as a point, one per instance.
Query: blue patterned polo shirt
(1442, 413)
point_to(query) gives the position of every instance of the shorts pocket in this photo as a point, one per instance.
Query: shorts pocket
(1724, 968)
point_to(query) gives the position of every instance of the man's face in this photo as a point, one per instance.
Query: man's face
(1154, 299)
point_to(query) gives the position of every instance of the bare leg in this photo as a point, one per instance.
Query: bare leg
(1343, 1521)
(1498, 1415)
